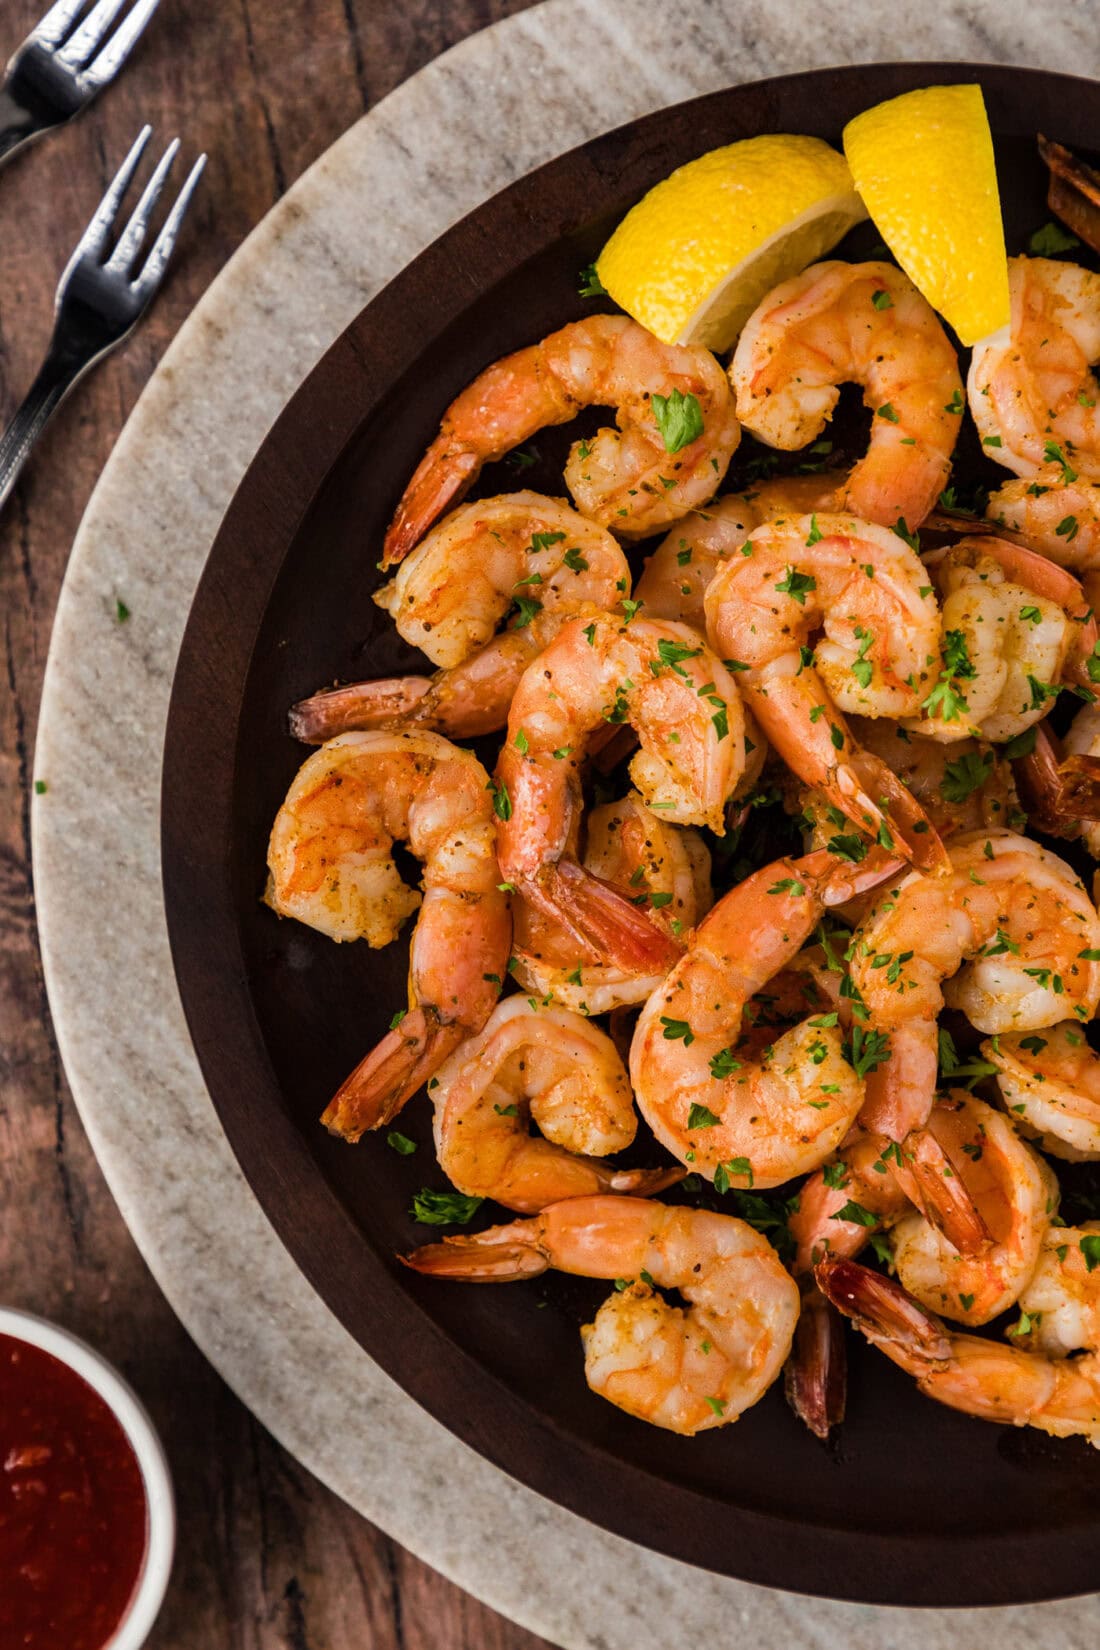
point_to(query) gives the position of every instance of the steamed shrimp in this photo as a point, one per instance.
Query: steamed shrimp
(1015, 1194)
(1031, 393)
(1060, 1396)
(1015, 627)
(632, 479)
(678, 572)
(867, 590)
(684, 1368)
(667, 869)
(1061, 1304)
(1005, 936)
(758, 1122)
(964, 786)
(562, 1072)
(1050, 1082)
(520, 552)
(686, 709)
(1057, 517)
(331, 864)
(867, 324)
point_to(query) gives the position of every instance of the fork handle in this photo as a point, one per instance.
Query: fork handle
(56, 377)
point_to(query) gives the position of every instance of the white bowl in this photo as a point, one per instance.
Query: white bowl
(128, 1410)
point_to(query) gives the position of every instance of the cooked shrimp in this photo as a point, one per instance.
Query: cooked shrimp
(632, 479)
(1060, 518)
(865, 587)
(866, 1188)
(1016, 916)
(1015, 627)
(1060, 1308)
(449, 596)
(964, 786)
(867, 324)
(667, 867)
(1050, 1081)
(858, 1179)
(755, 1121)
(980, 1377)
(1015, 1193)
(464, 702)
(686, 709)
(1031, 393)
(331, 863)
(520, 551)
(678, 572)
(566, 1075)
(687, 1369)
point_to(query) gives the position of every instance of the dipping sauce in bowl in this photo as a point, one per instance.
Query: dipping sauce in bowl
(79, 1466)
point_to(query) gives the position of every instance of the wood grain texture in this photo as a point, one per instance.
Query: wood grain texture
(267, 1557)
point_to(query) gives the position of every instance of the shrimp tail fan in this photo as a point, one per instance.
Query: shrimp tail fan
(888, 1316)
(816, 1375)
(610, 920)
(391, 1074)
(901, 815)
(481, 1259)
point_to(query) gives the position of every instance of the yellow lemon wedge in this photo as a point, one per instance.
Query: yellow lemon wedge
(694, 258)
(923, 163)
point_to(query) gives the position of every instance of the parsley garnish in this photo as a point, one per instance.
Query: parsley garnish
(962, 778)
(796, 585)
(1051, 239)
(502, 802)
(444, 1208)
(679, 418)
(590, 284)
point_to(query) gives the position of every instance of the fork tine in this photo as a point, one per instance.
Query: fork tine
(94, 237)
(164, 245)
(83, 41)
(120, 45)
(132, 236)
(53, 28)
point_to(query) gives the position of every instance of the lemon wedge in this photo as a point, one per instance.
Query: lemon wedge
(923, 163)
(694, 258)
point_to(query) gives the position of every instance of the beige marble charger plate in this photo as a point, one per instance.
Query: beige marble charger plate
(539, 82)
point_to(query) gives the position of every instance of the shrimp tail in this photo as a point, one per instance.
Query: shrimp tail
(356, 707)
(888, 1316)
(1059, 792)
(842, 880)
(499, 1255)
(816, 1374)
(441, 478)
(609, 919)
(896, 809)
(1073, 192)
(391, 1074)
(932, 1184)
(645, 1182)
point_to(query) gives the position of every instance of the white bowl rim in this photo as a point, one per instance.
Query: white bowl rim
(130, 1413)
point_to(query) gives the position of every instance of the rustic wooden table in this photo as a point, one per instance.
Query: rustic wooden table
(267, 1557)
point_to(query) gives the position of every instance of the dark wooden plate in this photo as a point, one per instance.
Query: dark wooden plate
(914, 1504)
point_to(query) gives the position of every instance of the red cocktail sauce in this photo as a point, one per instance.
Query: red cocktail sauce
(72, 1507)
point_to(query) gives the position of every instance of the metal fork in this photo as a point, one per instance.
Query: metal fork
(100, 298)
(59, 68)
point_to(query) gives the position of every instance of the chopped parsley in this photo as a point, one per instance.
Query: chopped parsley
(433, 1208)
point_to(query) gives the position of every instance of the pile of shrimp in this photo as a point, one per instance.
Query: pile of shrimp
(755, 864)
